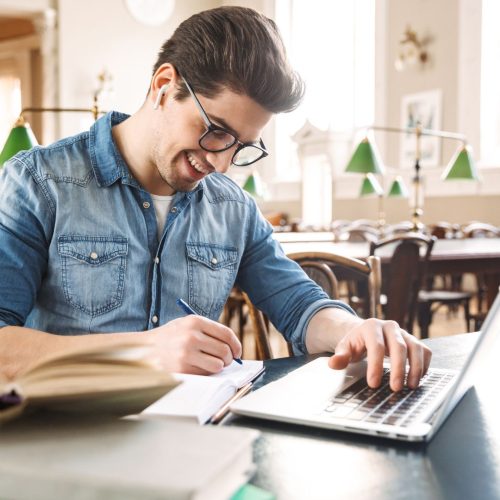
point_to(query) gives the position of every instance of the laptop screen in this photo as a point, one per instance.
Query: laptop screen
(476, 362)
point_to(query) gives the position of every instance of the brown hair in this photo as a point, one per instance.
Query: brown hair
(237, 48)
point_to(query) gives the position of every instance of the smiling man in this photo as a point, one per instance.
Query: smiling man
(100, 233)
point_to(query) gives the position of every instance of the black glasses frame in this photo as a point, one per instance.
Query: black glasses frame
(211, 127)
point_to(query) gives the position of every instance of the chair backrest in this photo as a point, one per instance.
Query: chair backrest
(444, 230)
(404, 274)
(327, 269)
(358, 233)
(480, 230)
(263, 349)
(402, 227)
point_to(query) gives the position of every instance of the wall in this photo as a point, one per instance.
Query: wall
(96, 35)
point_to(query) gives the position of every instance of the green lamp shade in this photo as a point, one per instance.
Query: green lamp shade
(370, 186)
(253, 185)
(365, 159)
(461, 166)
(20, 138)
(398, 189)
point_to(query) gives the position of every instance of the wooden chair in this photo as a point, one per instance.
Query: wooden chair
(404, 284)
(444, 231)
(402, 227)
(327, 270)
(358, 233)
(480, 230)
(403, 277)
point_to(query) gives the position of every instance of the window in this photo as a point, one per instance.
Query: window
(335, 54)
(10, 97)
(490, 83)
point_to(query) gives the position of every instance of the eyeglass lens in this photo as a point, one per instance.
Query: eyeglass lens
(219, 140)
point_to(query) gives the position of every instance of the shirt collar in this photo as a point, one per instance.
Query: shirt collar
(107, 162)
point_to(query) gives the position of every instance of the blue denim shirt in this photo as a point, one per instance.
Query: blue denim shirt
(79, 249)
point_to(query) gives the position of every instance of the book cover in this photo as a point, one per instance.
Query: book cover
(49, 456)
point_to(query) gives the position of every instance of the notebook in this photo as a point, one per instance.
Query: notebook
(199, 397)
(318, 396)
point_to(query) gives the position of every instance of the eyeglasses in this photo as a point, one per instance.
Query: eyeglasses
(217, 139)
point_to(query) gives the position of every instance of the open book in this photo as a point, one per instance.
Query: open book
(116, 379)
(199, 397)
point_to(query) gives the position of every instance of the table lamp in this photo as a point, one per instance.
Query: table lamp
(21, 137)
(253, 185)
(398, 188)
(461, 166)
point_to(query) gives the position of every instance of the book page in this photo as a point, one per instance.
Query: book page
(200, 396)
(238, 374)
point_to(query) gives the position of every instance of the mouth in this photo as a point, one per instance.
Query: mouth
(197, 169)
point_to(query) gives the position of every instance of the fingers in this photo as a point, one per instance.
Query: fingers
(375, 351)
(377, 338)
(419, 356)
(194, 344)
(342, 356)
(397, 350)
(221, 334)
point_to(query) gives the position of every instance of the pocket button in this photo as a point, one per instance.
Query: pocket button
(93, 255)
(214, 260)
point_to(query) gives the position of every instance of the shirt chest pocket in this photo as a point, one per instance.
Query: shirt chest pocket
(211, 272)
(93, 271)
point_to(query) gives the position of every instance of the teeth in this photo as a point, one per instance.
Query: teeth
(196, 165)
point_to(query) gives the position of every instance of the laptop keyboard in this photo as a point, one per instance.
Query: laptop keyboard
(361, 403)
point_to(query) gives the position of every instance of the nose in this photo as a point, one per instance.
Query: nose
(222, 160)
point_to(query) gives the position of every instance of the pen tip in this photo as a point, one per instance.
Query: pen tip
(238, 360)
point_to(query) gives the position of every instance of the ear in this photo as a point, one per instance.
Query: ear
(161, 93)
(164, 77)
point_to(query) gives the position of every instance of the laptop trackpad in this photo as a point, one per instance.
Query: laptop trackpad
(306, 388)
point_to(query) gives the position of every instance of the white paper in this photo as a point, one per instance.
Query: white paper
(199, 396)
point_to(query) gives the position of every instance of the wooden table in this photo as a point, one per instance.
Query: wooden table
(456, 256)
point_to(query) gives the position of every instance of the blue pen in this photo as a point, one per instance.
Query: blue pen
(189, 310)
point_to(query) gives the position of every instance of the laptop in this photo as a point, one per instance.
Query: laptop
(315, 395)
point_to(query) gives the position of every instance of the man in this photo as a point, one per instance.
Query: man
(100, 233)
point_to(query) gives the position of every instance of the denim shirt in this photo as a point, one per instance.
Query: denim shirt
(79, 249)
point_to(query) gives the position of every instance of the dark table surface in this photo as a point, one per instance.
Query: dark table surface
(462, 460)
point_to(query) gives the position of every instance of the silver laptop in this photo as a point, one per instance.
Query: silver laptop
(315, 395)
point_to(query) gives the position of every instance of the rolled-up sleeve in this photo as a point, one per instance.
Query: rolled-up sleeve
(278, 286)
(25, 227)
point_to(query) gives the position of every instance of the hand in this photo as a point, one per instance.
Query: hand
(375, 339)
(194, 344)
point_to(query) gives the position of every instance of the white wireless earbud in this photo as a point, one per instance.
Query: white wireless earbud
(161, 92)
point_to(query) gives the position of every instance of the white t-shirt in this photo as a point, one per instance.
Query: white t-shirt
(162, 206)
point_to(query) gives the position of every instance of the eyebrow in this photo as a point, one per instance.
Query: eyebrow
(223, 124)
